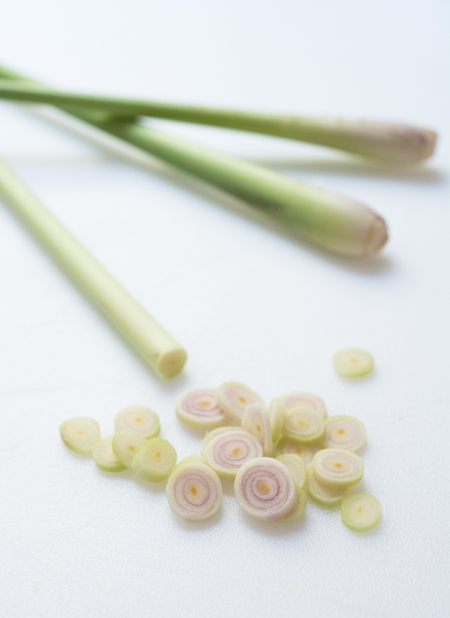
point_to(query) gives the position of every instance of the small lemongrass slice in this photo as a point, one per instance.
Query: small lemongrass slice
(199, 409)
(301, 424)
(323, 495)
(337, 467)
(194, 492)
(296, 466)
(155, 461)
(139, 419)
(80, 434)
(191, 459)
(228, 451)
(233, 398)
(300, 398)
(360, 512)
(305, 451)
(264, 488)
(256, 421)
(276, 415)
(352, 362)
(105, 458)
(299, 508)
(219, 430)
(126, 444)
(344, 432)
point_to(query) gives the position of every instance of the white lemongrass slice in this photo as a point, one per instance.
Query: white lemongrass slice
(264, 489)
(228, 451)
(301, 424)
(139, 419)
(298, 509)
(360, 512)
(352, 362)
(233, 398)
(256, 421)
(276, 415)
(215, 432)
(336, 467)
(323, 495)
(105, 458)
(126, 444)
(305, 451)
(155, 461)
(192, 459)
(80, 434)
(194, 492)
(300, 398)
(296, 466)
(199, 409)
(344, 432)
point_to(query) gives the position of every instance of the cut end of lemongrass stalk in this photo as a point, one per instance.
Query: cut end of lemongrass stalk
(226, 452)
(234, 397)
(192, 459)
(155, 461)
(344, 432)
(305, 451)
(396, 142)
(352, 362)
(360, 512)
(256, 421)
(300, 398)
(126, 444)
(376, 237)
(299, 508)
(296, 466)
(194, 492)
(215, 432)
(276, 415)
(80, 434)
(139, 419)
(301, 424)
(336, 467)
(105, 458)
(323, 495)
(169, 364)
(198, 408)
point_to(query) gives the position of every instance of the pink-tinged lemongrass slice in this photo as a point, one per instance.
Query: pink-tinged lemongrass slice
(155, 461)
(256, 421)
(228, 451)
(344, 432)
(301, 424)
(323, 495)
(360, 512)
(194, 492)
(296, 466)
(276, 415)
(305, 451)
(199, 409)
(353, 362)
(105, 458)
(299, 508)
(80, 434)
(192, 459)
(300, 398)
(336, 467)
(126, 444)
(219, 430)
(264, 488)
(233, 398)
(139, 419)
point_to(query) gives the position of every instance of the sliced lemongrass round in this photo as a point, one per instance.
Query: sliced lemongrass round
(299, 508)
(305, 451)
(344, 432)
(126, 444)
(228, 451)
(219, 430)
(276, 415)
(323, 495)
(301, 424)
(80, 434)
(233, 398)
(139, 419)
(352, 362)
(105, 458)
(336, 467)
(296, 466)
(264, 488)
(194, 492)
(199, 409)
(256, 421)
(360, 512)
(192, 459)
(155, 461)
(300, 398)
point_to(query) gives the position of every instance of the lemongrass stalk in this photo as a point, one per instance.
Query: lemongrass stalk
(147, 337)
(332, 221)
(393, 142)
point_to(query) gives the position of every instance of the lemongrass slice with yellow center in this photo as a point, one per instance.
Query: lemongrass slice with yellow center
(80, 434)
(276, 415)
(336, 467)
(301, 424)
(155, 461)
(299, 508)
(192, 459)
(353, 362)
(105, 458)
(126, 444)
(233, 398)
(194, 492)
(199, 409)
(139, 419)
(300, 398)
(323, 495)
(256, 421)
(305, 451)
(228, 451)
(219, 430)
(344, 432)
(296, 467)
(360, 512)
(264, 489)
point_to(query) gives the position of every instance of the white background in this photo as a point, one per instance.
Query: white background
(247, 301)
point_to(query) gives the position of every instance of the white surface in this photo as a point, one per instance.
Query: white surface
(248, 303)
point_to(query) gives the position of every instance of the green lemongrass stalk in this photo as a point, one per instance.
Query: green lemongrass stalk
(335, 222)
(392, 142)
(148, 338)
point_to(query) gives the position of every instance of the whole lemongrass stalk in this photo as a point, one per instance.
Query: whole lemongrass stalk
(148, 338)
(335, 222)
(390, 142)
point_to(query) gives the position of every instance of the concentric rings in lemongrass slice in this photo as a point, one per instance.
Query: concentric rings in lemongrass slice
(155, 461)
(194, 492)
(344, 432)
(139, 419)
(219, 430)
(192, 459)
(301, 398)
(360, 512)
(299, 508)
(80, 434)
(228, 451)
(276, 415)
(199, 409)
(296, 466)
(256, 421)
(264, 489)
(234, 397)
(301, 424)
(105, 458)
(352, 362)
(323, 495)
(305, 451)
(126, 444)
(337, 467)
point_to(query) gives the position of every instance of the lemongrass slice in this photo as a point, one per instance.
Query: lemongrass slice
(301, 424)
(199, 409)
(344, 432)
(300, 398)
(80, 434)
(105, 458)
(336, 467)
(219, 430)
(139, 419)
(155, 461)
(276, 415)
(228, 451)
(256, 421)
(360, 512)
(126, 444)
(233, 398)
(192, 459)
(353, 362)
(323, 495)
(305, 451)
(264, 488)
(299, 508)
(296, 466)
(194, 492)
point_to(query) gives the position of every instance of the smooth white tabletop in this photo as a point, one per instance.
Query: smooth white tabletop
(248, 302)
